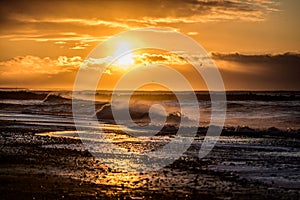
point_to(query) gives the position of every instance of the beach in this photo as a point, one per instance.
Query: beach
(159, 99)
(42, 157)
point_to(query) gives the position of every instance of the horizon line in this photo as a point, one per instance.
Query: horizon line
(128, 90)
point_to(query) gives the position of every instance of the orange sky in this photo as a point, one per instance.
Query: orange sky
(44, 43)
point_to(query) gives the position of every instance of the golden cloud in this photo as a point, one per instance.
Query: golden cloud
(28, 65)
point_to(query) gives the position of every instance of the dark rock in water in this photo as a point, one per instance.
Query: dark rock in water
(56, 99)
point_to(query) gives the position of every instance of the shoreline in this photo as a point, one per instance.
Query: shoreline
(28, 169)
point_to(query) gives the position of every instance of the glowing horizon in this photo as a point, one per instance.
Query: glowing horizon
(254, 44)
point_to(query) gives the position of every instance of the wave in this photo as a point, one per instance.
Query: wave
(205, 96)
(235, 105)
(152, 95)
(169, 129)
(282, 112)
(23, 95)
(139, 113)
(56, 98)
(262, 96)
(254, 132)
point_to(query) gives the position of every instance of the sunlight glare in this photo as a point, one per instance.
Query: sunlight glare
(126, 60)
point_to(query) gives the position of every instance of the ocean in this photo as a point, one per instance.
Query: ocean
(258, 149)
(255, 110)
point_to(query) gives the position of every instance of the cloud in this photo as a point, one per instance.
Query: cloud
(96, 63)
(80, 46)
(280, 71)
(239, 71)
(94, 21)
(60, 42)
(192, 33)
(194, 11)
(286, 58)
(36, 72)
(28, 65)
(87, 22)
(57, 37)
(125, 14)
(159, 58)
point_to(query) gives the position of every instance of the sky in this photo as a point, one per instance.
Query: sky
(254, 43)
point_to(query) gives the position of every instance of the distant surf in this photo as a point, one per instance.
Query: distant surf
(256, 110)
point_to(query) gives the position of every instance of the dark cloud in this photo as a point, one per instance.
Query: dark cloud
(286, 58)
(279, 71)
(234, 5)
(130, 9)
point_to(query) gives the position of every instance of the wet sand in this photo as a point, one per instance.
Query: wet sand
(33, 167)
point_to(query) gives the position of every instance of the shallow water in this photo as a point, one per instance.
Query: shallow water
(274, 161)
(254, 159)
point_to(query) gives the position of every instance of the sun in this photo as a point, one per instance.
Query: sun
(126, 60)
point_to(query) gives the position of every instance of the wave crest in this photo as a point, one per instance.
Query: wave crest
(139, 114)
(56, 98)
